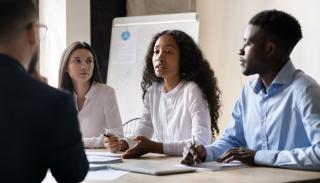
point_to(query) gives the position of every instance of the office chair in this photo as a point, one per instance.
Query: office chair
(130, 126)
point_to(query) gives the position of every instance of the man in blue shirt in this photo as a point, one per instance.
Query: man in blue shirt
(276, 120)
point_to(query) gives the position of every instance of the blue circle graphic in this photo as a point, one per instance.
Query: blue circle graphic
(125, 35)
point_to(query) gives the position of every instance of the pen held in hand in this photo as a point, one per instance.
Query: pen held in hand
(106, 135)
(193, 141)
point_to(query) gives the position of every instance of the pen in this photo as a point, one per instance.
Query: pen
(193, 141)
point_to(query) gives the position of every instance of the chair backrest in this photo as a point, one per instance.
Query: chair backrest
(130, 126)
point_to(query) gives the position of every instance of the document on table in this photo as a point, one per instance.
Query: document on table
(98, 169)
(105, 153)
(101, 159)
(99, 175)
(213, 165)
(106, 174)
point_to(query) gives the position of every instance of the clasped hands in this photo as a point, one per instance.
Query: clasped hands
(143, 146)
(196, 154)
(192, 154)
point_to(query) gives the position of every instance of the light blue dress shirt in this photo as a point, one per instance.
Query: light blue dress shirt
(282, 124)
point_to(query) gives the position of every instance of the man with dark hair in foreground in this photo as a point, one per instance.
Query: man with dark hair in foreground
(276, 120)
(39, 126)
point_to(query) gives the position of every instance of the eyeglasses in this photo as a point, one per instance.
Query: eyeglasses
(42, 29)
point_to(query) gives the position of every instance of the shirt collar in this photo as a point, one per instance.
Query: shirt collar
(90, 93)
(284, 77)
(91, 90)
(11, 62)
(173, 91)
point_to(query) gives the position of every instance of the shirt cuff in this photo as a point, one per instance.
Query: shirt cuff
(210, 154)
(130, 142)
(93, 142)
(171, 149)
(265, 157)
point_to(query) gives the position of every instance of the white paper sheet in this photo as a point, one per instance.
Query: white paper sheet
(107, 174)
(109, 154)
(102, 159)
(213, 165)
(98, 175)
(124, 40)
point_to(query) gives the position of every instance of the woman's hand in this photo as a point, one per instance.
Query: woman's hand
(114, 144)
(193, 154)
(143, 146)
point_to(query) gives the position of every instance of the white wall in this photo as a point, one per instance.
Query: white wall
(156, 7)
(78, 21)
(67, 21)
(53, 14)
(222, 23)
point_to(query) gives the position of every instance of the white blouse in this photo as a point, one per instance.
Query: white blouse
(174, 117)
(99, 113)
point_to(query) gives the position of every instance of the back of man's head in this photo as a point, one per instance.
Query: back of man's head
(15, 15)
(283, 28)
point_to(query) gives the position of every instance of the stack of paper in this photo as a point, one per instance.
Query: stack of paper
(213, 165)
(105, 153)
(98, 161)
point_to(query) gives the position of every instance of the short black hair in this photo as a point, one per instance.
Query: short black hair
(281, 26)
(15, 13)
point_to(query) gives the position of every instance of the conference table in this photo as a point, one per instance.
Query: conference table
(240, 174)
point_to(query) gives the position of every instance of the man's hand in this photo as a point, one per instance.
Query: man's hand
(193, 154)
(143, 146)
(244, 155)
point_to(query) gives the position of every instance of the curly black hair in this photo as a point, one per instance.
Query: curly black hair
(193, 67)
(281, 26)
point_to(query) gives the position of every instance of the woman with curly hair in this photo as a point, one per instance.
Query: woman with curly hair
(181, 99)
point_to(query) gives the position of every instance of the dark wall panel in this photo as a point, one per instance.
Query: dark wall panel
(102, 14)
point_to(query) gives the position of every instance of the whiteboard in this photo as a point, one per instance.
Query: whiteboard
(129, 42)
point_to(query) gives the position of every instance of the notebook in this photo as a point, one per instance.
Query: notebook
(99, 162)
(213, 165)
(94, 167)
(99, 159)
(105, 153)
(151, 168)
